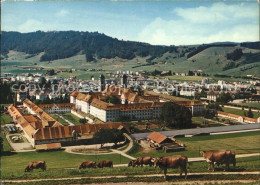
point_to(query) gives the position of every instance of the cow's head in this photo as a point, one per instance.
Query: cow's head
(156, 161)
(80, 166)
(27, 169)
(132, 163)
(99, 164)
(94, 165)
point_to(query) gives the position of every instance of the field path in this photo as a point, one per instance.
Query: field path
(125, 176)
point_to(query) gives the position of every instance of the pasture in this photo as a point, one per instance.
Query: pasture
(5, 119)
(239, 112)
(59, 163)
(252, 105)
(241, 143)
(57, 170)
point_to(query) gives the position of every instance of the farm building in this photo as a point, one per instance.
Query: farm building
(160, 141)
(241, 119)
(158, 138)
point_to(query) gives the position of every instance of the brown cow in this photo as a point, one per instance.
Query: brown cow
(219, 157)
(172, 162)
(132, 163)
(88, 164)
(144, 161)
(35, 165)
(106, 163)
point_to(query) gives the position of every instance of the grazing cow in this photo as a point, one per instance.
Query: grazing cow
(35, 165)
(219, 157)
(106, 163)
(88, 164)
(144, 161)
(132, 163)
(172, 162)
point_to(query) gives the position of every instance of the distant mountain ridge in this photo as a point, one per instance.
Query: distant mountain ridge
(64, 44)
(96, 49)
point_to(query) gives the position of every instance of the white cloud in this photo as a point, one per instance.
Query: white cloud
(31, 25)
(220, 22)
(62, 13)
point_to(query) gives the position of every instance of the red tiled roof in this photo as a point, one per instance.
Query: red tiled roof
(157, 137)
(66, 131)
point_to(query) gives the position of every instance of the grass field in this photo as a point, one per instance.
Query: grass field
(239, 112)
(5, 118)
(252, 105)
(55, 169)
(56, 161)
(72, 118)
(6, 147)
(247, 142)
(59, 119)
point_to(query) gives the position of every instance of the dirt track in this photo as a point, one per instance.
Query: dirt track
(125, 176)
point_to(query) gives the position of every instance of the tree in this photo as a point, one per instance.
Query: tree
(250, 113)
(113, 99)
(108, 136)
(224, 98)
(176, 116)
(83, 121)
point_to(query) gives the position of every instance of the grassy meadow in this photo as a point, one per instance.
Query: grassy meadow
(72, 118)
(59, 119)
(251, 105)
(211, 61)
(241, 143)
(63, 170)
(5, 118)
(239, 112)
(58, 163)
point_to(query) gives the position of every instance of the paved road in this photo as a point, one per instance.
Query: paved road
(125, 176)
(19, 147)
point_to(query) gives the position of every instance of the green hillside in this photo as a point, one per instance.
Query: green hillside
(108, 54)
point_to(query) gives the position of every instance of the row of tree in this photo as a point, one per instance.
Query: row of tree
(64, 44)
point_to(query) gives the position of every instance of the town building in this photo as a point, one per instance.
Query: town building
(238, 118)
(133, 106)
(57, 108)
(212, 95)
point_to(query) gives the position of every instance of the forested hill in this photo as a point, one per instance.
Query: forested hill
(64, 44)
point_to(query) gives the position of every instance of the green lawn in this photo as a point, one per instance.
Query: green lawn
(58, 167)
(201, 120)
(252, 105)
(72, 118)
(57, 162)
(247, 142)
(6, 146)
(239, 112)
(5, 118)
(59, 119)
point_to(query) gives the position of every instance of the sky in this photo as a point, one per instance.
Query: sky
(158, 23)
